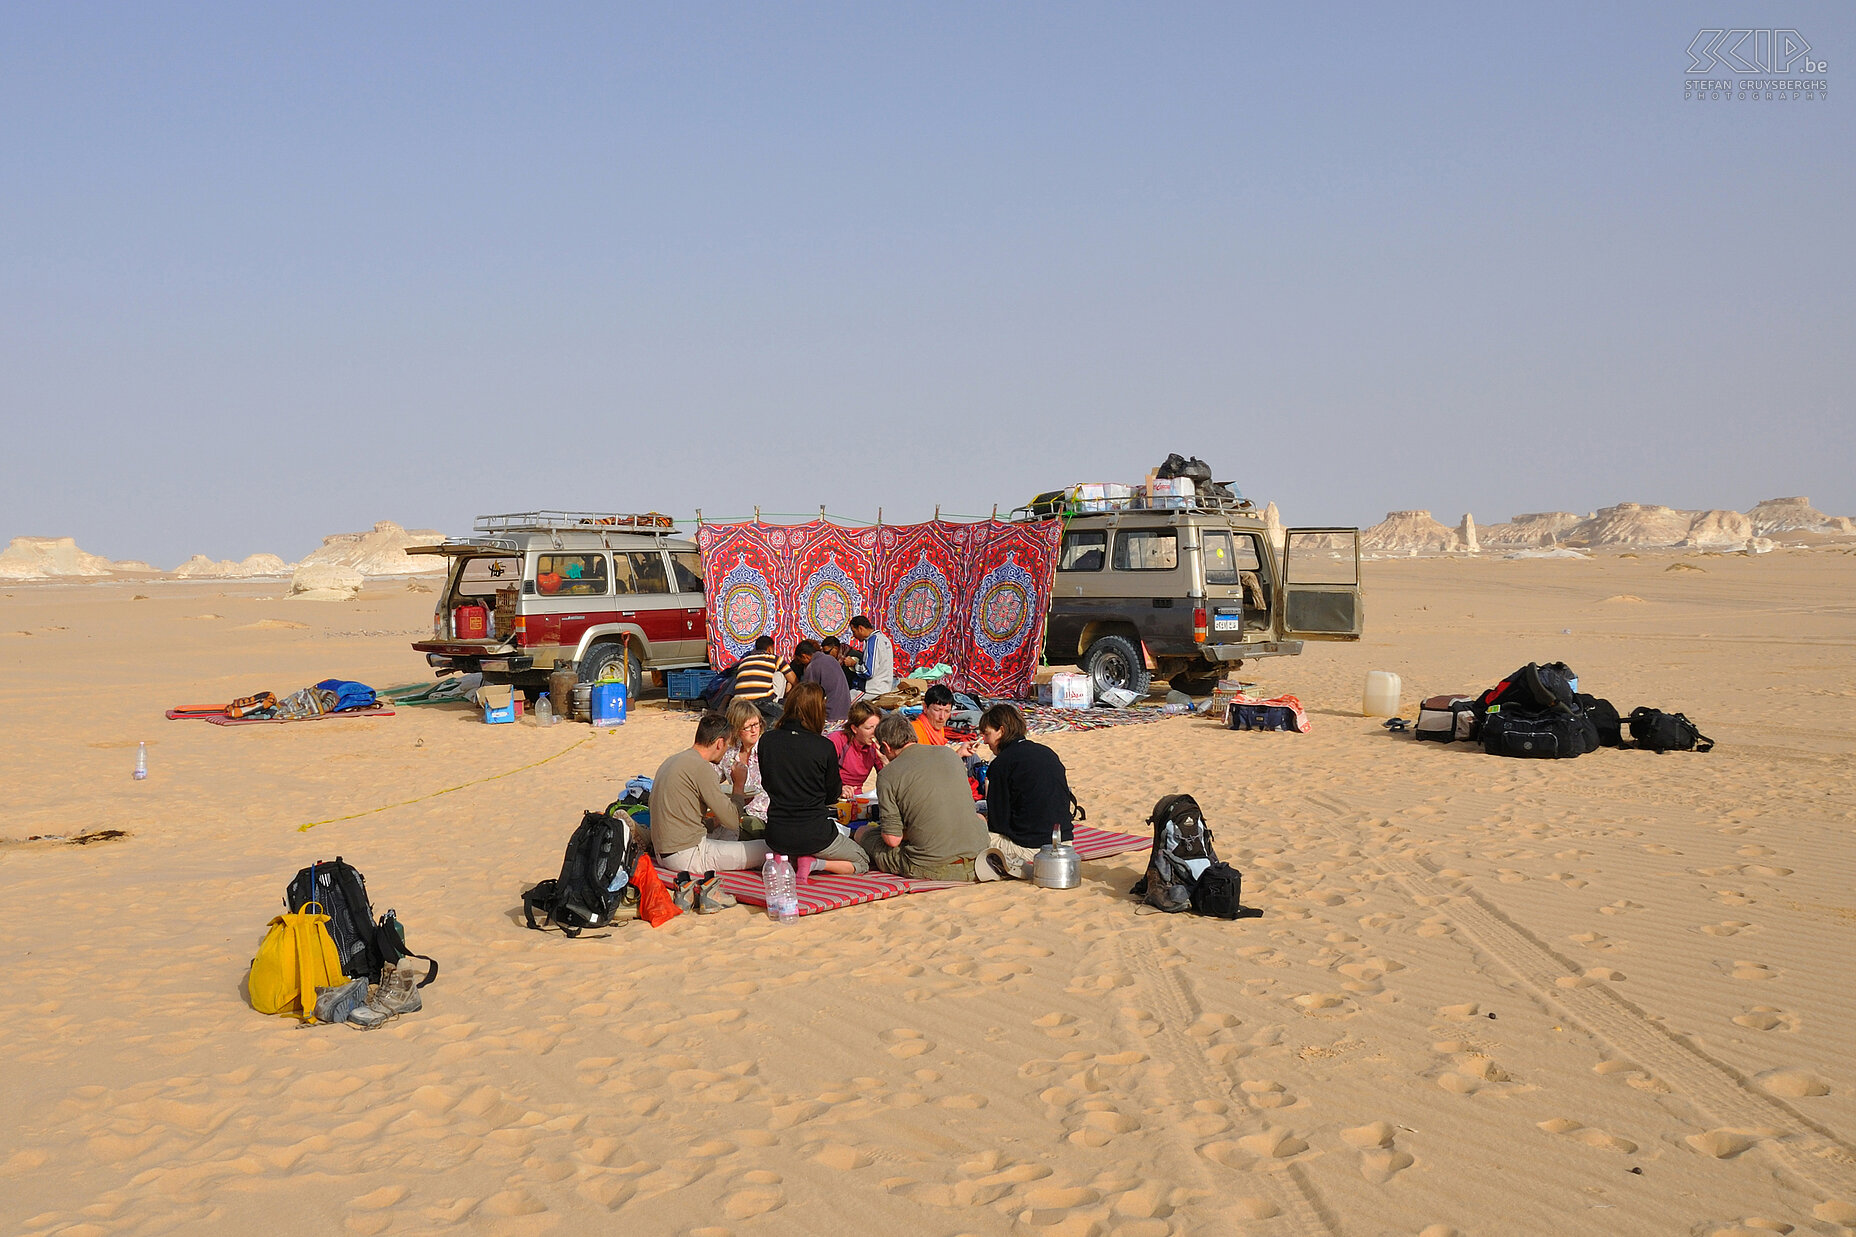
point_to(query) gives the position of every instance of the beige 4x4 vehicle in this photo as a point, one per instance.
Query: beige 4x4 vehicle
(586, 588)
(1192, 592)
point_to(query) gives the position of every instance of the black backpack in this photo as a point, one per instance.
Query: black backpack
(366, 946)
(1181, 854)
(594, 873)
(1558, 735)
(1534, 687)
(1657, 731)
(721, 688)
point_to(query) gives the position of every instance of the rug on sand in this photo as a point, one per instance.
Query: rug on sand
(217, 716)
(1042, 719)
(829, 893)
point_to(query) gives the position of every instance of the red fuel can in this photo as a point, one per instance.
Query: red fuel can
(472, 622)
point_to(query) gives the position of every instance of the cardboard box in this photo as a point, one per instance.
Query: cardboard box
(1067, 691)
(1168, 492)
(498, 701)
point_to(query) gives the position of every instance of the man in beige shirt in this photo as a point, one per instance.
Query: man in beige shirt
(926, 824)
(686, 788)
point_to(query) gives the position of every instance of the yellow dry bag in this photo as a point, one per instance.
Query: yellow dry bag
(297, 957)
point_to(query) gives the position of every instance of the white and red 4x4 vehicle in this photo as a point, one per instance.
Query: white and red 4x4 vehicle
(591, 589)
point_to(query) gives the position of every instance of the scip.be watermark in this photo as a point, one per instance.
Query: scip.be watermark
(1768, 66)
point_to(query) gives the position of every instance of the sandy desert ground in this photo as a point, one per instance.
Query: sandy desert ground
(1611, 995)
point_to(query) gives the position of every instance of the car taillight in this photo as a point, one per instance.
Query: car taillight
(521, 629)
(438, 623)
(1198, 624)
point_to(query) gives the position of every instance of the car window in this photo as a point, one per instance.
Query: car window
(1083, 550)
(481, 577)
(688, 570)
(1147, 549)
(1225, 556)
(571, 575)
(647, 571)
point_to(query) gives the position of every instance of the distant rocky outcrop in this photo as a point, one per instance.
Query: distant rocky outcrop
(1788, 515)
(1718, 530)
(1466, 535)
(381, 552)
(325, 582)
(1409, 532)
(1631, 524)
(1535, 529)
(200, 567)
(44, 558)
(1272, 526)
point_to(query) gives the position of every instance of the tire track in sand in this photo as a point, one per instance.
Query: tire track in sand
(1723, 1096)
(1288, 1190)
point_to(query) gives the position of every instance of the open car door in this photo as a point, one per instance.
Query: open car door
(1321, 584)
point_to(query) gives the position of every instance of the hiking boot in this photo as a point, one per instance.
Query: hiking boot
(397, 993)
(683, 892)
(366, 1018)
(334, 1003)
(710, 896)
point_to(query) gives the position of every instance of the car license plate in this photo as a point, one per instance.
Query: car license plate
(1227, 622)
(494, 665)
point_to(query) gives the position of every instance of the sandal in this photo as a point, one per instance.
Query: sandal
(710, 896)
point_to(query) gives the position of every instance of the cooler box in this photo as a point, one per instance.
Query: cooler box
(608, 704)
(1100, 496)
(1067, 691)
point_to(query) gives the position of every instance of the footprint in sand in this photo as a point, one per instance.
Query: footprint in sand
(1724, 1144)
(1792, 1084)
(759, 1193)
(1261, 1093)
(1767, 1018)
(1727, 927)
(1569, 1128)
(1743, 969)
(1058, 1025)
(905, 1043)
(1620, 907)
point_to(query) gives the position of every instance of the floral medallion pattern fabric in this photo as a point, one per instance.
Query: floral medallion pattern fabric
(971, 595)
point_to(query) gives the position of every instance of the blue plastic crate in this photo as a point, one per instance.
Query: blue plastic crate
(688, 684)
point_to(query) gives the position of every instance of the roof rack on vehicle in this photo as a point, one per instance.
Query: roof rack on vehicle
(559, 521)
(1037, 510)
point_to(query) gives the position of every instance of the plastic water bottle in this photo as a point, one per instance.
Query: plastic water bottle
(141, 762)
(782, 888)
(544, 710)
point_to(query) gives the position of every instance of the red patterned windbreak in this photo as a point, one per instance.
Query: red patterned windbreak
(971, 595)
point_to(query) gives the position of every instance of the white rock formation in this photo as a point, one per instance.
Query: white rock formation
(1632, 524)
(200, 567)
(1786, 515)
(1718, 530)
(1466, 535)
(44, 558)
(325, 582)
(134, 566)
(1272, 526)
(381, 552)
(1539, 528)
(1760, 545)
(1407, 532)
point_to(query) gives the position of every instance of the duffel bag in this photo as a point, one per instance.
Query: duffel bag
(1559, 735)
(1605, 720)
(1445, 719)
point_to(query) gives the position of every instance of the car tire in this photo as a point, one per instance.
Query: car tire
(608, 653)
(1115, 661)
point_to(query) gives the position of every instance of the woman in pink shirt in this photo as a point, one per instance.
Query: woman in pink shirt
(858, 757)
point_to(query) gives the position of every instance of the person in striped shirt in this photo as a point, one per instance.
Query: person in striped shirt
(762, 674)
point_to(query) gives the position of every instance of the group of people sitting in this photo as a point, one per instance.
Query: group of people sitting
(744, 788)
(846, 672)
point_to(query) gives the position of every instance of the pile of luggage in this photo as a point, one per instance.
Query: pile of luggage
(1539, 712)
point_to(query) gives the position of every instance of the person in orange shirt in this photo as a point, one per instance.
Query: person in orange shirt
(931, 726)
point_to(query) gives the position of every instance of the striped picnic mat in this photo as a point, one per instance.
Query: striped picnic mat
(829, 893)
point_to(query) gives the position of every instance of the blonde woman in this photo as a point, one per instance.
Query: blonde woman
(740, 766)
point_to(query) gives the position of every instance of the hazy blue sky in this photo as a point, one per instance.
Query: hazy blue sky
(269, 272)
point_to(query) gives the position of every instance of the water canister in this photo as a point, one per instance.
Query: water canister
(472, 622)
(608, 704)
(1381, 698)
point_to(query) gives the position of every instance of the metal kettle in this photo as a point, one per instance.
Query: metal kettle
(1057, 866)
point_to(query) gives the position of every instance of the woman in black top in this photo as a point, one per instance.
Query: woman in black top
(799, 771)
(1027, 790)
